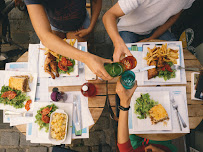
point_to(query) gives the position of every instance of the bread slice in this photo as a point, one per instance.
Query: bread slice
(19, 83)
(158, 114)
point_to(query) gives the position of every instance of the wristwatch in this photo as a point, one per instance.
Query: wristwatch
(123, 109)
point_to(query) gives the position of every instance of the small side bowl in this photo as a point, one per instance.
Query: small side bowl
(54, 141)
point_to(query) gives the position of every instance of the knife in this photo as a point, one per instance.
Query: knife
(77, 116)
(145, 68)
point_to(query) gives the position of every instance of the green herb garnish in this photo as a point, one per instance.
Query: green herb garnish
(143, 105)
(18, 101)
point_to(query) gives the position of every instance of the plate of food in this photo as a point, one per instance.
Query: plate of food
(151, 111)
(58, 127)
(163, 57)
(44, 121)
(55, 65)
(18, 91)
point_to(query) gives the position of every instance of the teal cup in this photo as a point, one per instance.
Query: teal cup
(128, 79)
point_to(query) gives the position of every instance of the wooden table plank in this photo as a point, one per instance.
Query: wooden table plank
(98, 101)
(194, 122)
(195, 110)
(188, 55)
(192, 64)
(101, 88)
(190, 101)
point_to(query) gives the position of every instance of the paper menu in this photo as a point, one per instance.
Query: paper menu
(179, 93)
(146, 124)
(42, 58)
(40, 136)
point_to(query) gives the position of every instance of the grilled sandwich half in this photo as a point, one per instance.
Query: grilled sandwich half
(19, 83)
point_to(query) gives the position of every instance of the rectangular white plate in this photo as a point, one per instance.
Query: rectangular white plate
(145, 124)
(157, 79)
(6, 75)
(40, 136)
(42, 58)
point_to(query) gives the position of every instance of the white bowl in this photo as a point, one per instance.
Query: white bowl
(54, 141)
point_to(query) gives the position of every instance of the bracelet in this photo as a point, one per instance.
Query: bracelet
(123, 109)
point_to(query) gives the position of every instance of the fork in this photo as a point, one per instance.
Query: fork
(23, 114)
(175, 106)
(178, 67)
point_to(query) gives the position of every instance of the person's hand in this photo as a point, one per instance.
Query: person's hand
(120, 51)
(145, 40)
(125, 94)
(96, 65)
(83, 32)
(153, 149)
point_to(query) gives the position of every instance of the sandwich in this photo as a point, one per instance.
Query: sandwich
(19, 83)
(158, 114)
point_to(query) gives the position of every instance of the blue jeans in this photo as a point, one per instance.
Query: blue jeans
(130, 37)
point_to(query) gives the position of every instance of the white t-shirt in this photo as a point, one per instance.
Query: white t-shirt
(142, 16)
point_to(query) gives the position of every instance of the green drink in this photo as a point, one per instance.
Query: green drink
(114, 69)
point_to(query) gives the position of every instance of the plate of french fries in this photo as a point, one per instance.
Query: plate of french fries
(48, 62)
(163, 57)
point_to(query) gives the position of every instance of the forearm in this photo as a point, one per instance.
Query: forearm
(123, 131)
(110, 23)
(96, 8)
(61, 47)
(163, 28)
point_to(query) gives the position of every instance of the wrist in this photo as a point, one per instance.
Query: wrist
(125, 103)
(118, 42)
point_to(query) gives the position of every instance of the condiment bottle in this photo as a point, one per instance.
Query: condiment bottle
(88, 90)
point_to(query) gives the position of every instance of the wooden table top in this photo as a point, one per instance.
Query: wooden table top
(96, 104)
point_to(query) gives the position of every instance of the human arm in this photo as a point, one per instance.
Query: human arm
(110, 23)
(125, 96)
(163, 28)
(42, 28)
(96, 8)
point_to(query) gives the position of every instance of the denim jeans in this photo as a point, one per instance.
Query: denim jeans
(130, 37)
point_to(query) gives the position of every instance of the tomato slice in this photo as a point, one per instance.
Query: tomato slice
(9, 94)
(64, 61)
(45, 119)
(27, 105)
(62, 67)
(69, 63)
(46, 111)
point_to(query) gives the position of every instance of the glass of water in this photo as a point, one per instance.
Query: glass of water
(128, 79)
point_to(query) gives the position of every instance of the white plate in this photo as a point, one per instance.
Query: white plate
(157, 79)
(5, 75)
(40, 136)
(145, 124)
(42, 58)
(54, 141)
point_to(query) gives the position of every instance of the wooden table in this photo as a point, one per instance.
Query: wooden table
(96, 104)
(195, 107)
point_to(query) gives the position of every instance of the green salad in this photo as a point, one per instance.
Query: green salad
(43, 116)
(17, 102)
(166, 72)
(143, 105)
(66, 68)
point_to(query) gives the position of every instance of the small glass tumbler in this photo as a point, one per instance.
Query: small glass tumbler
(128, 79)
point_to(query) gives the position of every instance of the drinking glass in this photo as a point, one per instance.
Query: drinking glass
(128, 79)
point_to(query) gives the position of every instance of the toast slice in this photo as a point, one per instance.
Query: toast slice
(19, 83)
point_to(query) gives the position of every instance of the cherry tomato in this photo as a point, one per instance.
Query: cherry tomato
(27, 105)
(62, 67)
(163, 69)
(45, 119)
